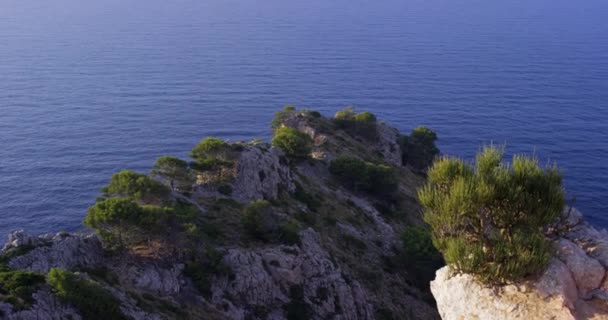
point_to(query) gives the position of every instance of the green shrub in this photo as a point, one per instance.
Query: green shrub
(281, 116)
(359, 175)
(362, 124)
(420, 255)
(92, 301)
(130, 184)
(122, 222)
(293, 142)
(210, 147)
(17, 287)
(488, 219)
(202, 269)
(176, 171)
(257, 218)
(419, 149)
(289, 232)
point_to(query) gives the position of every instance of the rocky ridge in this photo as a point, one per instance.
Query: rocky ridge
(340, 267)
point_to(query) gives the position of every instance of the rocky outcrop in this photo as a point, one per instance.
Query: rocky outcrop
(572, 287)
(262, 173)
(59, 251)
(279, 278)
(388, 144)
(46, 307)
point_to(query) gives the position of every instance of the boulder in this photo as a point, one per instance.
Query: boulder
(262, 173)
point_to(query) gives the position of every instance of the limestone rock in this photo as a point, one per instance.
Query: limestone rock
(276, 277)
(152, 278)
(388, 144)
(62, 251)
(587, 272)
(461, 297)
(261, 174)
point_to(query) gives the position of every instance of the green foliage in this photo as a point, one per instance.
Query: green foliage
(175, 170)
(488, 219)
(281, 116)
(121, 221)
(256, 218)
(289, 232)
(419, 149)
(202, 270)
(130, 184)
(17, 287)
(362, 124)
(210, 147)
(92, 301)
(420, 255)
(293, 142)
(359, 175)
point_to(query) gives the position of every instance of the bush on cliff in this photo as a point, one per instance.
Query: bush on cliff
(359, 175)
(488, 219)
(362, 124)
(120, 222)
(17, 286)
(175, 171)
(140, 187)
(92, 301)
(215, 158)
(420, 255)
(419, 149)
(294, 143)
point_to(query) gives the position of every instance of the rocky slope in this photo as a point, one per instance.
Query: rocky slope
(346, 262)
(574, 286)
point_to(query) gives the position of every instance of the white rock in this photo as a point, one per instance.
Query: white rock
(588, 273)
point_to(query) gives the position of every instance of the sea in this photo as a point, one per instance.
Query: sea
(88, 88)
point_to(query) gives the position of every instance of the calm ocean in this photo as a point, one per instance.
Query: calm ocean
(88, 88)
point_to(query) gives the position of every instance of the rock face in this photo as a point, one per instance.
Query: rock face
(572, 287)
(261, 174)
(47, 307)
(271, 278)
(60, 251)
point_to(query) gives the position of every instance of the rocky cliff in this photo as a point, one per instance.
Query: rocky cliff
(574, 286)
(345, 260)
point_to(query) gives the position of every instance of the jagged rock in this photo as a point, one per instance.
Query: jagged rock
(269, 277)
(19, 239)
(152, 278)
(261, 174)
(461, 297)
(388, 144)
(587, 272)
(557, 281)
(46, 307)
(63, 251)
(572, 287)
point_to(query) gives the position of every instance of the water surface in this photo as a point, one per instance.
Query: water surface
(87, 89)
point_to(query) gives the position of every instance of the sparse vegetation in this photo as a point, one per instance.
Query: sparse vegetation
(362, 124)
(420, 255)
(419, 149)
(488, 219)
(140, 187)
(175, 171)
(17, 287)
(92, 301)
(294, 143)
(359, 175)
(203, 268)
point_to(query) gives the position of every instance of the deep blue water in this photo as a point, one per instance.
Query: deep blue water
(91, 87)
